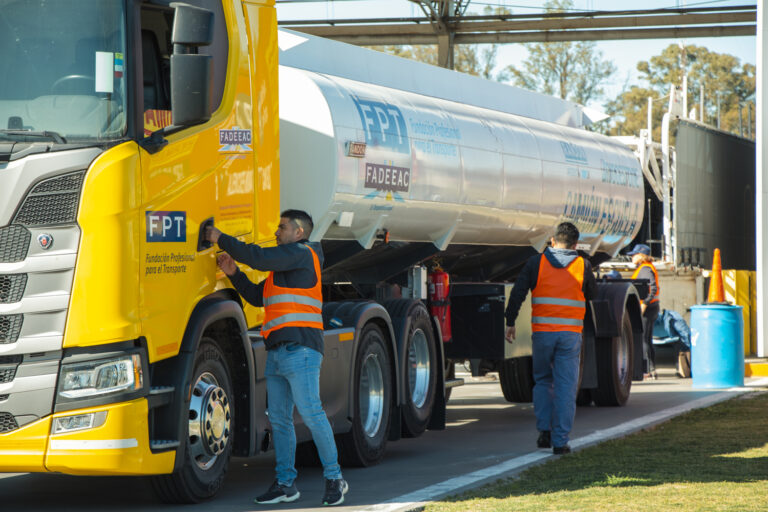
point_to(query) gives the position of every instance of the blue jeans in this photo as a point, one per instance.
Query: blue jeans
(556, 376)
(293, 377)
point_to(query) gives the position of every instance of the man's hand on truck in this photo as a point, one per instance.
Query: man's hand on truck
(226, 263)
(212, 234)
(510, 334)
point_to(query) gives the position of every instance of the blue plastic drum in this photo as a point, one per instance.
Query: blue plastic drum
(717, 346)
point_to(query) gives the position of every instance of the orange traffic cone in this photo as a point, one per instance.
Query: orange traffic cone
(716, 290)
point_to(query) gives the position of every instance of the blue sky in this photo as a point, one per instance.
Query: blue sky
(624, 54)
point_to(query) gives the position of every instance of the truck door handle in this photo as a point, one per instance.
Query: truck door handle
(202, 243)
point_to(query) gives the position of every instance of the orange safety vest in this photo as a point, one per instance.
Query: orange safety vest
(655, 277)
(293, 307)
(558, 299)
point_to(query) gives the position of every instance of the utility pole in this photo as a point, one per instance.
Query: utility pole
(718, 109)
(439, 12)
(741, 125)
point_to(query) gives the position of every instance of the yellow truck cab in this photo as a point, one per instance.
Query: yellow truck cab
(126, 126)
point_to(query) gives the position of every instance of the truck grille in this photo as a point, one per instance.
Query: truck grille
(14, 243)
(7, 422)
(10, 327)
(53, 201)
(8, 365)
(12, 288)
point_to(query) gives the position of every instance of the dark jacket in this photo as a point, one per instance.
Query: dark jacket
(558, 258)
(293, 268)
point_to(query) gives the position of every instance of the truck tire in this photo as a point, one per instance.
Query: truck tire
(419, 374)
(516, 378)
(208, 441)
(364, 444)
(450, 373)
(583, 396)
(614, 367)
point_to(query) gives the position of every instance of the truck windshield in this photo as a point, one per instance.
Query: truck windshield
(62, 64)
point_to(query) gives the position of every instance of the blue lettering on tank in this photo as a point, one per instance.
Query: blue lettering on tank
(384, 125)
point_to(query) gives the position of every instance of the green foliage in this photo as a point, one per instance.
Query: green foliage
(476, 60)
(723, 77)
(574, 71)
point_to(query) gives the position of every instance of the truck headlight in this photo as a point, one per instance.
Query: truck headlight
(96, 378)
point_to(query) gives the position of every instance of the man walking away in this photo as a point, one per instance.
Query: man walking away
(561, 282)
(293, 337)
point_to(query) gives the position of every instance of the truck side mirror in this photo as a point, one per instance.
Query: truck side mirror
(191, 74)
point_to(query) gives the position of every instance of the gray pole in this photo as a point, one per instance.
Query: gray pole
(650, 236)
(718, 110)
(445, 46)
(741, 125)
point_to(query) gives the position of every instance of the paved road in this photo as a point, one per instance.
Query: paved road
(485, 435)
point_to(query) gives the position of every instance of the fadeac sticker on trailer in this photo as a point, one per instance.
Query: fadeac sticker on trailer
(166, 226)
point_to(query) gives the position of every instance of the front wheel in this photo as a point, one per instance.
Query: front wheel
(364, 444)
(208, 443)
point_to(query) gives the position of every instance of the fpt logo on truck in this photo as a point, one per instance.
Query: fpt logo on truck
(166, 226)
(384, 125)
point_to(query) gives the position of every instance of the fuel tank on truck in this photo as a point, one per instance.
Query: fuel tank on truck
(364, 159)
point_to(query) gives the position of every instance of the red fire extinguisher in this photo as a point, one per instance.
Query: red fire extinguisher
(439, 303)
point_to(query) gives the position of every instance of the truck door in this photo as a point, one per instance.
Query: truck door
(203, 172)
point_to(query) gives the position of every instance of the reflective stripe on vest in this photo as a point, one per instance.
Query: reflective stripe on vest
(655, 278)
(293, 307)
(293, 317)
(555, 320)
(292, 297)
(558, 302)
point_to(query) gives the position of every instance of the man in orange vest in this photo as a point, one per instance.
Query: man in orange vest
(293, 337)
(641, 257)
(560, 282)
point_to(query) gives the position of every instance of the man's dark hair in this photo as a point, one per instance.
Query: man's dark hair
(301, 219)
(567, 234)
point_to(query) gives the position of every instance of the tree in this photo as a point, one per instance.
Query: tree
(575, 71)
(722, 75)
(476, 60)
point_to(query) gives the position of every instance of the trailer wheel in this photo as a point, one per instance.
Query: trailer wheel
(614, 367)
(208, 434)
(450, 373)
(419, 375)
(583, 396)
(516, 378)
(364, 444)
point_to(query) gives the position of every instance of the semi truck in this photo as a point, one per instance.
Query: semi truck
(129, 126)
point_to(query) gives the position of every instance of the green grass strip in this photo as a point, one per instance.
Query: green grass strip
(713, 459)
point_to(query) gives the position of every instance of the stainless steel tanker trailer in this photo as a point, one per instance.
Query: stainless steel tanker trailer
(429, 192)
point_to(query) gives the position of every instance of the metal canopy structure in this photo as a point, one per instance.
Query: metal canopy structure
(445, 24)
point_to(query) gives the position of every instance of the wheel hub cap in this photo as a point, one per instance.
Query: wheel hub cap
(209, 421)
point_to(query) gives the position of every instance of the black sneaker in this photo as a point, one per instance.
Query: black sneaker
(561, 450)
(544, 440)
(335, 491)
(278, 493)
